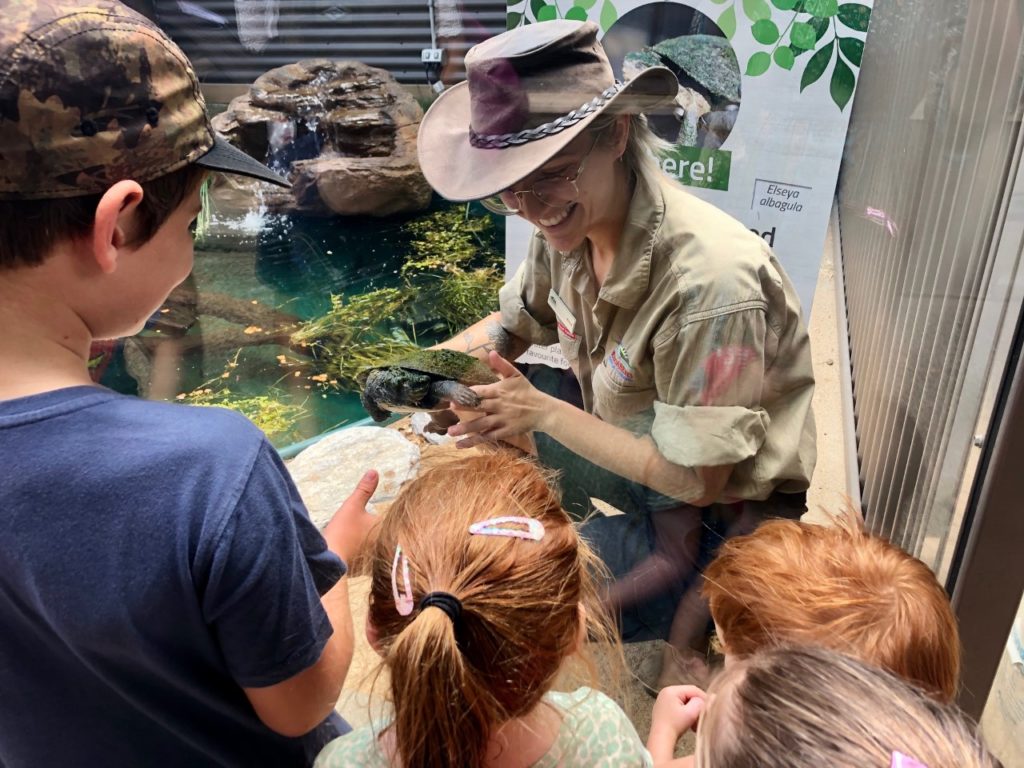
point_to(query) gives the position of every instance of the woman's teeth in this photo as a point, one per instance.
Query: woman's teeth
(554, 221)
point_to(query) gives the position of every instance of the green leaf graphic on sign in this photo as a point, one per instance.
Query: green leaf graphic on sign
(841, 86)
(765, 31)
(823, 9)
(784, 5)
(802, 35)
(816, 66)
(758, 64)
(719, 2)
(514, 20)
(576, 13)
(547, 13)
(727, 22)
(820, 27)
(757, 9)
(852, 48)
(608, 15)
(784, 57)
(855, 16)
(584, 4)
(536, 5)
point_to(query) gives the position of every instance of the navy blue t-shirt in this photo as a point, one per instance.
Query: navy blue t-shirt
(154, 559)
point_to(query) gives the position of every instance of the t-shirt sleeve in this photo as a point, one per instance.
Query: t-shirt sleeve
(525, 311)
(709, 373)
(268, 569)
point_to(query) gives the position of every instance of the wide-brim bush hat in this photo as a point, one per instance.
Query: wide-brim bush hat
(528, 93)
(92, 93)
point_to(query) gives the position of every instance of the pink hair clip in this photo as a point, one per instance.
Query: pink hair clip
(899, 760)
(403, 602)
(514, 527)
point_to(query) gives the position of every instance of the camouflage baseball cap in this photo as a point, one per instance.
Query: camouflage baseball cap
(92, 93)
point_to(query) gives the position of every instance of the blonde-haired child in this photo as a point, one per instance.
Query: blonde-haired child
(481, 590)
(794, 707)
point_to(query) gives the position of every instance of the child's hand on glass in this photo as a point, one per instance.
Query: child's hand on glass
(677, 710)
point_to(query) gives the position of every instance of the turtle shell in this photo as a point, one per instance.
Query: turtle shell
(446, 364)
(708, 59)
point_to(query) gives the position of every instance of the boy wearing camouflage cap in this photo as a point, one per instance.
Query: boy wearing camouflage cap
(164, 597)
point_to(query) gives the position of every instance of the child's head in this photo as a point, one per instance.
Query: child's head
(526, 604)
(813, 707)
(793, 583)
(100, 115)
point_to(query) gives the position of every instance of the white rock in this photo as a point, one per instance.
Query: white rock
(419, 423)
(326, 473)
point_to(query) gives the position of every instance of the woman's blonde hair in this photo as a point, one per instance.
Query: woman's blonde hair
(840, 587)
(643, 146)
(453, 683)
(791, 707)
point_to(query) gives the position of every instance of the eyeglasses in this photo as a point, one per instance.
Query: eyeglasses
(552, 191)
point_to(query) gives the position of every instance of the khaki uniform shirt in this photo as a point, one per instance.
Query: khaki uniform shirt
(695, 338)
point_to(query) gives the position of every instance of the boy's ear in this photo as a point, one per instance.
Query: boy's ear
(112, 222)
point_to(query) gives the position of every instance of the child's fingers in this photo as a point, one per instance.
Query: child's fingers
(684, 693)
(692, 711)
(364, 490)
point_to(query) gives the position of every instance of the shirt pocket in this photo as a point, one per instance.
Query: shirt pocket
(569, 341)
(622, 390)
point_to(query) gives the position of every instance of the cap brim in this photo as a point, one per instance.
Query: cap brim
(227, 158)
(459, 171)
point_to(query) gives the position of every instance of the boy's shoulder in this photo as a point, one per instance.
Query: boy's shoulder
(120, 421)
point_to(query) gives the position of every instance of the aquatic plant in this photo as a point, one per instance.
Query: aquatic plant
(361, 318)
(271, 413)
(465, 297)
(457, 250)
(364, 331)
(346, 363)
(449, 240)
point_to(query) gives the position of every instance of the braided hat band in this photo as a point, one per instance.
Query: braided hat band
(503, 140)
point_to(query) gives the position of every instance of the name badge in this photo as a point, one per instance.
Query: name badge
(566, 319)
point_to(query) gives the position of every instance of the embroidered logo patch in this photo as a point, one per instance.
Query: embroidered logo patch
(619, 366)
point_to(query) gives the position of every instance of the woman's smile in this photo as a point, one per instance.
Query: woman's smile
(553, 220)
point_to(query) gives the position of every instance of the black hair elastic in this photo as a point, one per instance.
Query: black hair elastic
(450, 604)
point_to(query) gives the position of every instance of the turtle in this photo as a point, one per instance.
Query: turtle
(426, 380)
(709, 83)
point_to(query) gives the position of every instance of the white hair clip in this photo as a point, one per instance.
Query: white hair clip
(403, 602)
(513, 527)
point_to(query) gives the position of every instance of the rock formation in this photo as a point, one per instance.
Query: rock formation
(343, 132)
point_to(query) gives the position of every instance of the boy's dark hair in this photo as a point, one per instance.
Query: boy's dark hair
(30, 229)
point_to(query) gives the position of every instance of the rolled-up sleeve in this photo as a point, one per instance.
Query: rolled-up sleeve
(524, 300)
(709, 376)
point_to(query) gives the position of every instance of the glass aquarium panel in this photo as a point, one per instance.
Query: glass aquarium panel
(282, 311)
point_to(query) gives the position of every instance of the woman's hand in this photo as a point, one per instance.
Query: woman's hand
(510, 407)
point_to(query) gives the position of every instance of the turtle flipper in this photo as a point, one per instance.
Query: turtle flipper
(456, 393)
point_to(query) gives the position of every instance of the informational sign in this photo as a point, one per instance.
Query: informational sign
(758, 126)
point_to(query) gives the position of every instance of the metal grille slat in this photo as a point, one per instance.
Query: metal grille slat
(934, 133)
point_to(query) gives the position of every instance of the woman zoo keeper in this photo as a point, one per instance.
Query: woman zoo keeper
(680, 325)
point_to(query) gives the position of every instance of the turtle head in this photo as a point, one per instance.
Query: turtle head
(394, 389)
